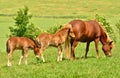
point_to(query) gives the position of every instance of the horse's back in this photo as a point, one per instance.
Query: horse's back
(43, 37)
(86, 31)
(93, 28)
(20, 42)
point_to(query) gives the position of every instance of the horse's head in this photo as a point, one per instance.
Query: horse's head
(107, 48)
(37, 51)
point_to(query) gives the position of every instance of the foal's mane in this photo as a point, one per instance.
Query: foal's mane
(36, 44)
(62, 29)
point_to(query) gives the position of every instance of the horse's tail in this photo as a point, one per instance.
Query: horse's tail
(37, 42)
(67, 47)
(71, 35)
(7, 47)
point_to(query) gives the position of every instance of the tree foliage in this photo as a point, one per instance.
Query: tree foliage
(23, 26)
(118, 27)
(53, 29)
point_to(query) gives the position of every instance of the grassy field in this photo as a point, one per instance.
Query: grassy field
(47, 13)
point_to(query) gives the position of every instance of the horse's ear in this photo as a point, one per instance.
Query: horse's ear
(110, 42)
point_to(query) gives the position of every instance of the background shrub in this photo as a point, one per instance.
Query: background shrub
(23, 26)
(53, 29)
(118, 27)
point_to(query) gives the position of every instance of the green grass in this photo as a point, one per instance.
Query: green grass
(49, 13)
(80, 68)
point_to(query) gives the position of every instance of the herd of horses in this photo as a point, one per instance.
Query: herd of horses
(70, 34)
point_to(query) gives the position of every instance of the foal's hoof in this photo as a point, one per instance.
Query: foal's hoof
(44, 61)
(9, 65)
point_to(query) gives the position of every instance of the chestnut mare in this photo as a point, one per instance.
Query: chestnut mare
(44, 40)
(88, 31)
(22, 43)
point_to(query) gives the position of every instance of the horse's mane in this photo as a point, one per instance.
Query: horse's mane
(36, 44)
(104, 33)
(62, 29)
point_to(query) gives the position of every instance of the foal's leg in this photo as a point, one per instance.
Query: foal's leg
(26, 55)
(96, 46)
(41, 54)
(43, 47)
(9, 58)
(59, 53)
(87, 49)
(21, 57)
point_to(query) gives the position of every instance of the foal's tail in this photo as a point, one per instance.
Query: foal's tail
(37, 42)
(7, 47)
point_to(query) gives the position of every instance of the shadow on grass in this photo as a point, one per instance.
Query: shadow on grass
(83, 57)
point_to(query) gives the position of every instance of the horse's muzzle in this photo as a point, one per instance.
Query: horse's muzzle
(109, 55)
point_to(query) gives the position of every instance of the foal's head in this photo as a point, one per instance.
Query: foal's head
(107, 48)
(36, 48)
(36, 51)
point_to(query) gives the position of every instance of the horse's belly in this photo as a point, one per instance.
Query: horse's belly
(85, 39)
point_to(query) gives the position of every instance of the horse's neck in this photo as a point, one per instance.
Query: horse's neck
(103, 38)
(62, 32)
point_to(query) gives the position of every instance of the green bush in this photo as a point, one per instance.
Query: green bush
(118, 27)
(23, 26)
(53, 29)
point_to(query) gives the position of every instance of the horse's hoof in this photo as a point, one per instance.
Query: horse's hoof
(84, 57)
(73, 58)
(9, 65)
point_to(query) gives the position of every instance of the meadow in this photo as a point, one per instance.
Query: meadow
(47, 13)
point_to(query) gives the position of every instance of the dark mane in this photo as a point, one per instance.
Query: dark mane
(104, 35)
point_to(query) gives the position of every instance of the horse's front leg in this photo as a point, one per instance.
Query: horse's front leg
(74, 44)
(41, 53)
(26, 55)
(96, 46)
(59, 53)
(87, 49)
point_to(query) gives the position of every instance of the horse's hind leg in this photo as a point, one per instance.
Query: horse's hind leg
(21, 57)
(87, 49)
(59, 53)
(9, 58)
